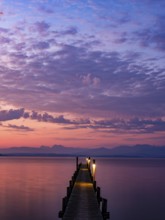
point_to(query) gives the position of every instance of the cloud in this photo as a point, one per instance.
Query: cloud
(49, 118)
(46, 10)
(45, 117)
(134, 125)
(41, 45)
(4, 30)
(19, 128)
(152, 37)
(41, 27)
(4, 40)
(148, 38)
(6, 115)
(88, 80)
(121, 38)
(119, 126)
(68, 70)
(69, 31)
(76, 80)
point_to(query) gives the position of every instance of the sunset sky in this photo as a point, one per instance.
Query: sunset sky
(87, 73)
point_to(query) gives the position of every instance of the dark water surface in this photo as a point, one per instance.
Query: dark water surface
(135, 188)
(32, 188)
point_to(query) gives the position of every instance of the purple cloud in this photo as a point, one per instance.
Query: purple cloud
(19, 128)
(4, 30)
(80, 70)
(134, 125)
(4, 40)
(45, 10)
(152, 37)
(69, 31)
(6, 115)
(131, 126)
(41, 45)
(59, 119)
(93, 80)
(41, 27)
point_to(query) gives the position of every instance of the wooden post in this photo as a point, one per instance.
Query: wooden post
(94, 185)
(64, 203)
(98, 194)
(76, 163)
(89, 163)
(70, 183)
(94, 170)
(68, 191)
(105, 214)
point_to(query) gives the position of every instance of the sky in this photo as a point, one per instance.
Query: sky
(85, 73)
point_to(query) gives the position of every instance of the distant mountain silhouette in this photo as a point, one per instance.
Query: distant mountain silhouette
(59, 150)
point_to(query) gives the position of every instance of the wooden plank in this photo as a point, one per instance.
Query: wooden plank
(82, 204)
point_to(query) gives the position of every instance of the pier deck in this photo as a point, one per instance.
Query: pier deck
(83, 204)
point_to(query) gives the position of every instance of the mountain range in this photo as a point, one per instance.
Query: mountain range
(59, 150)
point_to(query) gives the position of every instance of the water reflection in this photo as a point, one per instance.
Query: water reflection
(134, 188)
(32, 188)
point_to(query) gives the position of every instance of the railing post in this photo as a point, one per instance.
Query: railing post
(105, 214)
(94, 170)
(98, 191)
(64, 204)
(68, 191)
(89, 162)
(77, 163)
(70, 183)
(94, 185)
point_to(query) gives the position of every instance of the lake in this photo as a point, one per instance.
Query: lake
(32, 188)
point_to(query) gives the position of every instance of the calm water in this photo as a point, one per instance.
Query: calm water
(32, 188)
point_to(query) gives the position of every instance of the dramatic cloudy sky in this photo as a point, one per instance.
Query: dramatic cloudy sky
(82, 72)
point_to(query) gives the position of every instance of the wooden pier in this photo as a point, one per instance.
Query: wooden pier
(83, 200)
